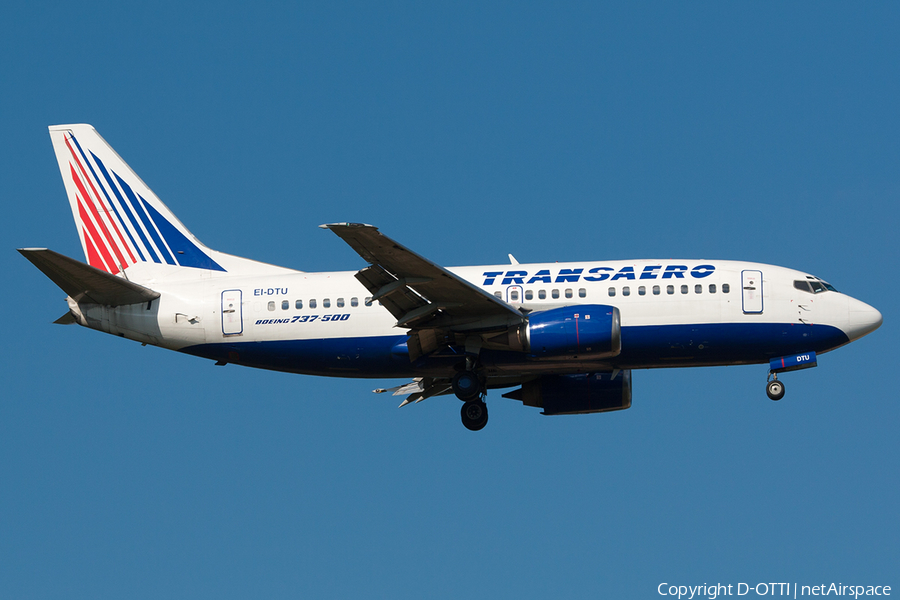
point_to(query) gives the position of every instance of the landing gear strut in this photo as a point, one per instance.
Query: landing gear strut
(774, 388)
(468, 387)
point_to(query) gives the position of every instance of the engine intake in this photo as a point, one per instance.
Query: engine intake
(588, 329)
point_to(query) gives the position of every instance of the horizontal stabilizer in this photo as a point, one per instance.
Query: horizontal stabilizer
(84, 283)
(66, 319)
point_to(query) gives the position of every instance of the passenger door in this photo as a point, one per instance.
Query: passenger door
(752, 292)
(232, 313)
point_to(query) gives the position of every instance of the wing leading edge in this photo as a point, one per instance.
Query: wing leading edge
(419, 293)
(424, 297)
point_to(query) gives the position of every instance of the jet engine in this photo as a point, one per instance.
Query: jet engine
(577, 394)
(588, 329)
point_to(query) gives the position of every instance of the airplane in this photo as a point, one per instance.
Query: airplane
(565, 336)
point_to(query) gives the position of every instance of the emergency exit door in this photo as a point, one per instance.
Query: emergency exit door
(752, 292)
(232, 315)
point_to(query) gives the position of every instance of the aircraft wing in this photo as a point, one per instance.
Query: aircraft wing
(420, 294)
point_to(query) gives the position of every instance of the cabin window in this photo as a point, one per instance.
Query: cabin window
(670, 289)
(272, 305)
(514, 295)
(368, 300)
(354, 301)
(326, 303)
(298, 304)
(555, 294)
(499, 295)
(656, 290)
(529, 295)
(726, 288)
(626, 291)
(684, 289)
(542, 294)
(569, 293)
(712, 288)
(642, 291)
(285, 304)
(312, 303)
(340, 303)
(698, 289)
(612, 291)
(582, 293)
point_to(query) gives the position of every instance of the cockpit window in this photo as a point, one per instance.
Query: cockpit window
(814, 285)
(802, 286)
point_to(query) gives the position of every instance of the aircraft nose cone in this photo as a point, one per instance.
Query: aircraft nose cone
(863, 319)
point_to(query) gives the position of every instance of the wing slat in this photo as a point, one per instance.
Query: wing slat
(418, 292)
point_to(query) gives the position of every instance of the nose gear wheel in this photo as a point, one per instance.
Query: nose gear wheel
(775, 389)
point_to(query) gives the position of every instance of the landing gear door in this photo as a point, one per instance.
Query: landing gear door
(232, 313)
(752, 292)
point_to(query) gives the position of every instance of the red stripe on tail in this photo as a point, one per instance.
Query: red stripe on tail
(97, 196)
(104, 259)
(93, 257)
(104, 232)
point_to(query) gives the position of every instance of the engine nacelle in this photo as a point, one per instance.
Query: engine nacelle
(577, 394)
(588, 329)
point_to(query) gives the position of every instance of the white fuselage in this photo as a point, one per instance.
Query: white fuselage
(291, 307)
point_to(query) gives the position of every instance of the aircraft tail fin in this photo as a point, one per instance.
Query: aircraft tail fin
(84, 283)
(120, 220)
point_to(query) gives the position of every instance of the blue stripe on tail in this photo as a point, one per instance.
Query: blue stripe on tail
(148, 224)
(186, 253)
(128, 211)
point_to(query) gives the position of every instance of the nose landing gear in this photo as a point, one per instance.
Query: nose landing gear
(774, 388)
(783, 364)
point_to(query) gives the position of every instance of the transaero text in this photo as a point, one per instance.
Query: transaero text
(522, 277)
(791, 590)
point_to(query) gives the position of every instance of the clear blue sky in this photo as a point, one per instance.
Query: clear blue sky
(764, 131)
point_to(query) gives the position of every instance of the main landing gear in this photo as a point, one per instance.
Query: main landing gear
(474, 415)
(774, 388)
(468, 388)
